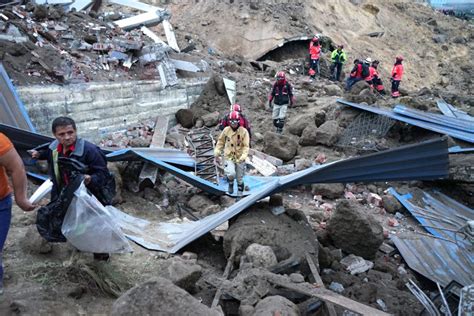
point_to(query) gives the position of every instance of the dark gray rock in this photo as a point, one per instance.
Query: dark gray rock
(279, 146)
(199, 202)
(328, 190)
(276, 305)
(211, 119)
(298, 123)
(354, 230)
(328, 133)
(185, 117)
(391, 204)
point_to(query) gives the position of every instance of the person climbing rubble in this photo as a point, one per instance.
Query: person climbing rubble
(10, 165)
(244, 122)
(359, 72)
(314, 54)
(338, 58)
(397, 73)
(234, 140)
(77, 152)
(282, 96)
(374, 78)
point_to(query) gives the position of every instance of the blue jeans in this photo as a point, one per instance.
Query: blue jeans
(5, 219)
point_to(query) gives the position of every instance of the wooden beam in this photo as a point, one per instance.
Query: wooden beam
(273, 160)
(324, 294)
(319, 282)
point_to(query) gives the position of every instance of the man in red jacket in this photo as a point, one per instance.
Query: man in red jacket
(282, 97)
(314, 54)
(397, 73)
(244, 122)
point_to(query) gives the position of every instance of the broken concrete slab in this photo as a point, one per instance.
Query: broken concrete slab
(170, 37)
(148, 18)
(185, 65)
(153, 36)
(230, 89)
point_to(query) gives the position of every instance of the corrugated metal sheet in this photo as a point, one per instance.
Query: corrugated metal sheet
(437, 259)
(12, 111)
(467, 136)
(451, 122)
(449, 110)
(459, 150)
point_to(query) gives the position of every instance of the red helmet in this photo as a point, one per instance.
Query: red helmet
(399, 57)
(234, 116)
(315, 38)
(236, 107)
(281, 76)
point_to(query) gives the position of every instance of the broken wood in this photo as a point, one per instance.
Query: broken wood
(325, 295)
(273, 160)
(150, 171)
(318, 281)
(262, 166)
(225, 275)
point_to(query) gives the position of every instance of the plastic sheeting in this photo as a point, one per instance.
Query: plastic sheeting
(441, 260)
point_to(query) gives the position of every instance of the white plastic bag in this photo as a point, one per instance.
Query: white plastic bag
(90, 227)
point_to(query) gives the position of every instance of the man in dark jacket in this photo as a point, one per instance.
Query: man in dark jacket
(97, 179)
(282, 97)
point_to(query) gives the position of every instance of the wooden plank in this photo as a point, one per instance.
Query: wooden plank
(325, 295)
(262, 166)
(170, 37)
(319, 282)
(273, 160)
(159, 136)
(150, 171)
(230, 89)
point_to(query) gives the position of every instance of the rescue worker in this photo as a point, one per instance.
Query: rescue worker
(375, 82)
(11, 166)
(397, 73)
(234, 140)
(99, 181)
(359, 72)
(314, 54)
(282, 96)
(244, 122)
(338, 58)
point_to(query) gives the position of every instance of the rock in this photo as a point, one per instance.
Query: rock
(336, 287)
(159, 296)
(211, 119)
(276, 200)
(328, 133)
(219, 85)
(185, 117)
(308, 137)
(276, 305)
(439, 38)
(140, 142)
(296, 278)
(187, 255)
(459, 40)
(199, 202)
(246, 310)
(319, 118)
(329, 190)
(210, 209)
(34, 243)
(279, 146)
(297, 124)
(355, 264)
(301, 164)
(261, 256)
(354, 230)
(391, 204)
(183, 273)
(333, 90)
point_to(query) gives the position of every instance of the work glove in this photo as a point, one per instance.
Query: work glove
(270, 104)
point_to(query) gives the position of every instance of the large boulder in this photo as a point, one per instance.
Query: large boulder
(183, 273)
(276, 305)
(159, 297)
(354, 230)
(279, 146)
(211, 119)
(185, 117)
(333, 90)
(308, 137)
(328, 133)
(298, 123)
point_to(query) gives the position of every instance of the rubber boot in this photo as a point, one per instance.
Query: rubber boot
(240, 191)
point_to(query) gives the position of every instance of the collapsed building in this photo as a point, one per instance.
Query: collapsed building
(361, 207)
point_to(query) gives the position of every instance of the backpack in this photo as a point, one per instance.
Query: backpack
(365, 70)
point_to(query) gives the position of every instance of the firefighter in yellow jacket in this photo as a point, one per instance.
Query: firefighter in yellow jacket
(234, 139)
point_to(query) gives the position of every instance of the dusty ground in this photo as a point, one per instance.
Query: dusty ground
(228, 35)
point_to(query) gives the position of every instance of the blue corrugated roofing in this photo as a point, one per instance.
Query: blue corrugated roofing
(464, 135)
(449, 110)
(12, 111)
(437, 259)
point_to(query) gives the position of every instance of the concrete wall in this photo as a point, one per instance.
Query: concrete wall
(101, 108)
